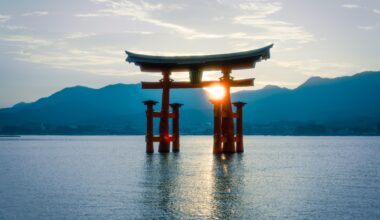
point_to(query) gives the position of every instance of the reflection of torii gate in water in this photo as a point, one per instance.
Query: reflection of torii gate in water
(224, 137)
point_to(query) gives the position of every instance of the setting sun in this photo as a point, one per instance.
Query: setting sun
(216, 92)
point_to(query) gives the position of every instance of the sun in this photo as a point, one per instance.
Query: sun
(216, 92)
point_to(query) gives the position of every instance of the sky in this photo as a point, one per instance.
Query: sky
(47, 45)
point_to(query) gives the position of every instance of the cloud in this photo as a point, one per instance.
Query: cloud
(123, 8)
(139, 32)
(90, 15)
(35, 13)
(26, 40)
(61, 53)
(256, 15)
(368, 27)
(350, 6)
(4, 18)
(74, 57)
(376, 11)
(78, 35)
(275, 31)
(12, 27)
(142, 11)
(310, 67)
(99, 60)
(261, 9)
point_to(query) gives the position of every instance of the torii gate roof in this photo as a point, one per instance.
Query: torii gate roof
(239, 60)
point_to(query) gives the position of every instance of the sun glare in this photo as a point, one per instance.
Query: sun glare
(216, 92)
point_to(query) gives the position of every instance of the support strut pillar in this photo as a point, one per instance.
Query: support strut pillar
(149, 125)
(175, 127)
(239, 126)
(217, 149)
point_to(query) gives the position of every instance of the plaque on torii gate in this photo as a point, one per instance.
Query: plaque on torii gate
(196, 65)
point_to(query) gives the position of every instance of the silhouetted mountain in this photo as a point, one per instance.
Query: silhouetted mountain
(345, 99)
(251, 96)
(313, 81)
(344, 105)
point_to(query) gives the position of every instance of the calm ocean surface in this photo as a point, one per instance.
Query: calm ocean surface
(111, 177)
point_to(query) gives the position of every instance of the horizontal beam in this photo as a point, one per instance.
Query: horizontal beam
(188, 85)
(243, 64)
(159, 115)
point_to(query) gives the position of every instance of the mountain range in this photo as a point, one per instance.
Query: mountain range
(348, 105)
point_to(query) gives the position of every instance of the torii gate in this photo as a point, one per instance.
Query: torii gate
(195, 65)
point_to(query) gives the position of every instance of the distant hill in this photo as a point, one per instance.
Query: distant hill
(347, 99)
(320, 106)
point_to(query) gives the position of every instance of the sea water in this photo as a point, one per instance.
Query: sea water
(111, 177)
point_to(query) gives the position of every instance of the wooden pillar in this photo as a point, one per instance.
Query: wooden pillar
(149, 125)
(217, 149)
(164, 145)
(175, 126)
(239, 126)
(227, 116)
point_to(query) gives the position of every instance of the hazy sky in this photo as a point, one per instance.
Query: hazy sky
(46, 45)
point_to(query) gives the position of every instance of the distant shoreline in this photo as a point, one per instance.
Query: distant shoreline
(182, 135)
(8, 136)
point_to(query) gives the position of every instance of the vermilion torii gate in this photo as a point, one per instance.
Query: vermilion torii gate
(196, 65)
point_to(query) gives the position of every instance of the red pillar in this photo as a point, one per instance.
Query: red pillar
(239, 126)
(149, 125)
(227, 116)
(217, 149)
(175, 127)
(164, 145)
